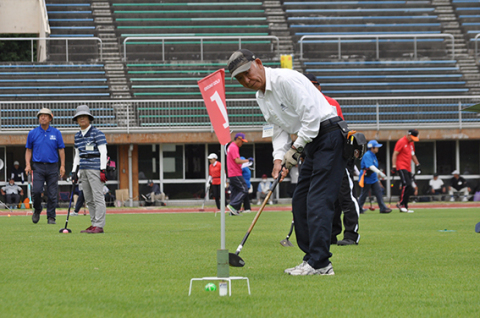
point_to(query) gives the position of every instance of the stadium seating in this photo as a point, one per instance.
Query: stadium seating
(196, 19)
(387, 77)
(13, 117)
(40, 81)
(468, 13)
(365, 18)
(71, 20)
(179, 80)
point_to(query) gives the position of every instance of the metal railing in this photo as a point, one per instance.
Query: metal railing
(376, 113)
(475, 39)
(200, 38)
(376, 37)
(66, 39)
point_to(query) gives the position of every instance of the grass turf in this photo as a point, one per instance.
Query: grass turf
(406, 265)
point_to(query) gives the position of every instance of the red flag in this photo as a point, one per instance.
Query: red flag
(213, 93)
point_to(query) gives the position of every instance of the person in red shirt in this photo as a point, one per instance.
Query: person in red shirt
(403, 154)
(214, 172)
(346, 201)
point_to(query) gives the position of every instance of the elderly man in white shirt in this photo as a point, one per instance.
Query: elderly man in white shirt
(292, 105)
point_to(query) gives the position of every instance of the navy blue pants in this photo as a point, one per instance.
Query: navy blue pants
(80, 201)
(45, 173)
(313, 201)
(238, 191)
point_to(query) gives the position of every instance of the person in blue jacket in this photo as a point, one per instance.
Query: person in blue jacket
(247, 175)
(369, 167)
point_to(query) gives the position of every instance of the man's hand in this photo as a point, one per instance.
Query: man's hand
(393, 171)
(28, 170)
(418, 169)
(62, 171)
(103, 176)
(291, 158)
(74, 177)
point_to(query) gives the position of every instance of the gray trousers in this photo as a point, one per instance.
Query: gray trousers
(93, 192)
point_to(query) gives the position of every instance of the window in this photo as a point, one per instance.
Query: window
(148, 157)
(425, 155)
(445, 157)
(469, 157)
(172, 161)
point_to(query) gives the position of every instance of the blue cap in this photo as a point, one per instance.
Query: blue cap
(373, 143)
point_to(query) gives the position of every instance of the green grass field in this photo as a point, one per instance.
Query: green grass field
(142, 266)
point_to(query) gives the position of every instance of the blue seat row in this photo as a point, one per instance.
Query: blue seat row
(382, 17)
(398, 91)
(367, 25)
(46, 80)
(56, 95)
(386, 69)
(48, 65)
(360, 10)
(55, 87)
(380, 62)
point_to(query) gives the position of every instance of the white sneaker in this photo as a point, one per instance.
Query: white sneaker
(410, 211)
(232, 210)
(309, 270)
(73, 214)
(465, 199)
(289, 270)
(258, 202)
(403, 209)
(247, 211)
(452, 199)
(271, 202)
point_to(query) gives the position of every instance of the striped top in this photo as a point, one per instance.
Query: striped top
(88, 148)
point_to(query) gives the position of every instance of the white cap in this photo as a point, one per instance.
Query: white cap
(16, 163)
(212, 156)
(455, 172)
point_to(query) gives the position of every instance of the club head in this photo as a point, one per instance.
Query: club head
(371, 208)
(477, 227)
(61, 230)
(235, 261)
(286, 243)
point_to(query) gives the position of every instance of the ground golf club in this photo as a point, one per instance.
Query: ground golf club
(69, 207)
(233, 258)
(286, 242)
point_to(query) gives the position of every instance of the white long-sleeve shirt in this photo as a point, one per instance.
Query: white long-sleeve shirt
(294, 106)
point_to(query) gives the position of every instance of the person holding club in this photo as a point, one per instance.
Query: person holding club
(369, 177)
(292, 105)
(91, 157)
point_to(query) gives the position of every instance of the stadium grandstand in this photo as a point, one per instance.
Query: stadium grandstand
(393, 65)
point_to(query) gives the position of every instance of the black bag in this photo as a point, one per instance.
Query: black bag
(355, 142)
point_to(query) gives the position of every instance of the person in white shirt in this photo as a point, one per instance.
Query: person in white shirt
(436, 185)
(262, 190)
(292, 105)
(12, 193)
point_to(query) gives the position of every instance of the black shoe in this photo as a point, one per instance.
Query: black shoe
(51, 221)
(362, 211)
(35, 217)
(346, 242)
(388, 210)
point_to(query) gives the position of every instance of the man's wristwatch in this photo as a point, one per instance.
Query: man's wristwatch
(299, 149)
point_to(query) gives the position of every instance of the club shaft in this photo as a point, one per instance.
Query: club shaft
(267, 198)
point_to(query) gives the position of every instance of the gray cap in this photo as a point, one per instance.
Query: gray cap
(240, 61)
(83, 110)
(45, 111)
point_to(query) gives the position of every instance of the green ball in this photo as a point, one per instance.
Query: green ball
(210, 287)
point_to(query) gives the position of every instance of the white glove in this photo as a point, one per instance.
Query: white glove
(382, 175)
(291, 158)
